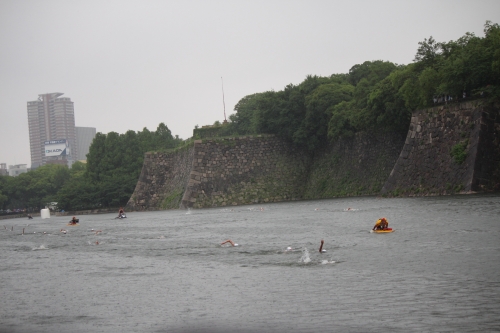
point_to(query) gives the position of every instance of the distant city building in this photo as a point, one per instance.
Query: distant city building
(51, 121)
(16, 170)
(3, 169)
(84, 137)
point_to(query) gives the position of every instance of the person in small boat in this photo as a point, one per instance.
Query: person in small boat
(121, 212)
(230, 242)
(74, 220)
(381, 224)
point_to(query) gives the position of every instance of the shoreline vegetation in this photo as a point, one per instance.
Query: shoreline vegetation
(372, 97)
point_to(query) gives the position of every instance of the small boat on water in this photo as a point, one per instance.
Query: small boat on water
(382, 231)
(74, 222)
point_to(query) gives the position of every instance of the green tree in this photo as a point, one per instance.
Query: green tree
(3, 187)
(3, 199)
(244, 121)
(114, 163)
(428, 52)
(97, 152)
(371, 71)
(36, 188)
(163, 138)
(319, 108)
(342, 123)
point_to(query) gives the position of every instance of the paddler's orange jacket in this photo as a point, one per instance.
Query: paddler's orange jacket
(381, 223)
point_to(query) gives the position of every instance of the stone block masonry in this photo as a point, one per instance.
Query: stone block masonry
(163, 180)
(222, 172)
(354, 166)
(429, 163)
(245, 170)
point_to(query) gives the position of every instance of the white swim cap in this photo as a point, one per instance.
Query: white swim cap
(289, 248)
(235, 244)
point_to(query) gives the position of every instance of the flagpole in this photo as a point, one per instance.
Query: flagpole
(223, 102)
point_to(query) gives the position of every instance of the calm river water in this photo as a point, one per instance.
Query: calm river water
(166, 272)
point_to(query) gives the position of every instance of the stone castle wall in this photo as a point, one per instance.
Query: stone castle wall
(218, 172)
(426, 165)
(354, 166)
(163, 180)
(244, 170)
(487, 167)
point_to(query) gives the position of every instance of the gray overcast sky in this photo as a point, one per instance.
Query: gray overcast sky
(130, 64)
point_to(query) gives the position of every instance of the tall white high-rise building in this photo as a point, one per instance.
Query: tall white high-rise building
(84, 137)
(51, 121)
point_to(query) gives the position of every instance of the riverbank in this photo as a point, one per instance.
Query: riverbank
(19, 215)
(70, 213)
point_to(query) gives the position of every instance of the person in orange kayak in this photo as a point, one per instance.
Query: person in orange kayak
(381, 224)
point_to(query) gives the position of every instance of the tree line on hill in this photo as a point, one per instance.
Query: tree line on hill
(373, 96)
(108, 179)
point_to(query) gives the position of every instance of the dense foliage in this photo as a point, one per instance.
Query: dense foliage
(375, 95)
(32, 188)
(108, 179)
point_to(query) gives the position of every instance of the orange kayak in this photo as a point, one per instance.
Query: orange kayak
(383, 231)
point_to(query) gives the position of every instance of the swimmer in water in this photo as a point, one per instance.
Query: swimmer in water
(288, 249)
(63, 231)
(229, 241)
(321, 247)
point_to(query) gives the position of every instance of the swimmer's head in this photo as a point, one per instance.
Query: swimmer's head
(235, 244)
(288, 248)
